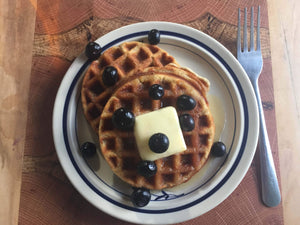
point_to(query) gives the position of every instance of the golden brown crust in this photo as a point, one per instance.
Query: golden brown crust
(128, 58)
(119, 147)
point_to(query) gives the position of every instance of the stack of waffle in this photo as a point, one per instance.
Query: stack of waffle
(139, 66)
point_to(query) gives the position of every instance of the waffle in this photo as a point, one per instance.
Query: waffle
(119, 147)
(128, 58)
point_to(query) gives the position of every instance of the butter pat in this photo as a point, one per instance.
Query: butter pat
(164, 121)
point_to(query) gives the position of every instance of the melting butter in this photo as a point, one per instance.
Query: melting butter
(164, 120)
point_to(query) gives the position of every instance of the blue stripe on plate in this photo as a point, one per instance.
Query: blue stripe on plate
(229, 147)
(219, 185)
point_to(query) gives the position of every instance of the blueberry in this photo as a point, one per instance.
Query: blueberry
(147, 168)
(156, 91)
(154, 37)
(185, 102)
(123, 119)
(187, 122)
(110, 76)
(158, 143)
(218, 149)
(88, 149)
(93, 50)
(140, 197)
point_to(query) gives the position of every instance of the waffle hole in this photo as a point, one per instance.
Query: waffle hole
(103, 100)
(153, 49)
(91, 76)
(129, 144)
(200, 155)
(165, 59)
(150, 180)
(94, 112)
(107, 124)
(203, 138)
(128, 66)
(187, 159)
(103, 63)
(188, 140)
(146, 104)
(129, 163)
(152, 64)
(117, 54)
(166, 85)
(204, 121)
(142, 55)
(87, 99)
(168, 178)
(131, 46)
(96, 88)
(114, 161)
(168, 162)
(110, 143)
(146, 86)
(167, 102)
(127, 104)
(111, 108)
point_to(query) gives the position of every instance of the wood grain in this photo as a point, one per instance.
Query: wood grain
(285, 34)
(16, 41)
(62, 30)
(57, 17)
(64, 45)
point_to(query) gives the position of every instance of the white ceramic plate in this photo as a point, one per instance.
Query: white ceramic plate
(233, 105)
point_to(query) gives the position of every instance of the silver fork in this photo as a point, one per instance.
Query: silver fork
(252, 62)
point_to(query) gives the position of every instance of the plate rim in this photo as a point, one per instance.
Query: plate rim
(217, 47)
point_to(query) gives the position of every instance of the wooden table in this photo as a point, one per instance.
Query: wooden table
(18, 44)
(284, 32)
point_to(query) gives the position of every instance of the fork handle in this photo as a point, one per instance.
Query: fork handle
(270, 188)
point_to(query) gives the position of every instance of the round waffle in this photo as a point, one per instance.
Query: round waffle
(128, 58)
(119, 147)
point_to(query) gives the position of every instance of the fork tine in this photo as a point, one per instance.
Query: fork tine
(239, 32)
(258, 29)
(252, 30)
(245, 31)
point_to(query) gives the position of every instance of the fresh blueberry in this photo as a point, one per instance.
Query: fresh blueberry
(185, 102)
(123, 119)
(158, 143)
(93, 50)
(154, 37)
(88, 149)
(140, 197)
(156, 91)
(218, 149)
(187, 122)
(147, 168)
(110, 76)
